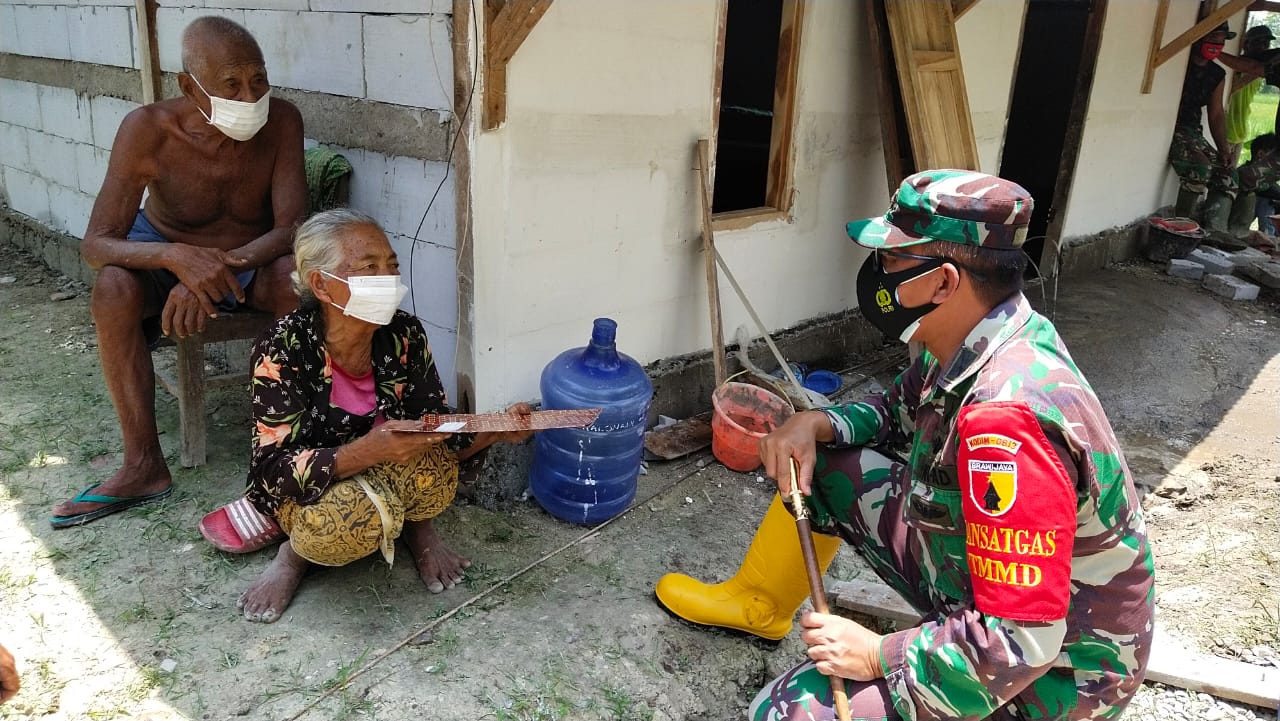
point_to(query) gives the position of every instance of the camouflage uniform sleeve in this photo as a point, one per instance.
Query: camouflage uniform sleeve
(1019, 499)
(883, 418)
(966, 665)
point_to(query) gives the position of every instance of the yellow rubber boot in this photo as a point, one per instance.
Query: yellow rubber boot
(762, 598)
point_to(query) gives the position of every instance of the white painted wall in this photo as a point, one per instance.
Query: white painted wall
(1122, 172)
(584, 205)
(55, 143)
(990, 34)
(583, 201)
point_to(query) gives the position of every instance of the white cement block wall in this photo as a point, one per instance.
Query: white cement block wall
(54, 147)
(55, 143)
(65, 113)
(408, 59)
(98, 35)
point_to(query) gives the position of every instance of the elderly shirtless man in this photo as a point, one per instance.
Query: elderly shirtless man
(223, 167)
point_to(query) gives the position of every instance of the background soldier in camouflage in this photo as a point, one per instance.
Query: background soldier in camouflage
(1198, 164)
(985, 486)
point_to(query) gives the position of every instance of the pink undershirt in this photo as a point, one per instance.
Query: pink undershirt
(353, 394)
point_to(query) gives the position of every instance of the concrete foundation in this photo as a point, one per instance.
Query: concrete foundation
(1081, 254)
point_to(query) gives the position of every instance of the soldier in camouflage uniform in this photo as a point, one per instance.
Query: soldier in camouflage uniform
(985, 486)
(1198, 164)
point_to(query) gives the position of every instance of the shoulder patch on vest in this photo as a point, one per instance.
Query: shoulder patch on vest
(1019, 510)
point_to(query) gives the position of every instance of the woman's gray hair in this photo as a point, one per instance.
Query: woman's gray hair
(317, 246)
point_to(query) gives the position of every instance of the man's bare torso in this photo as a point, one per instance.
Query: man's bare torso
(211, 194)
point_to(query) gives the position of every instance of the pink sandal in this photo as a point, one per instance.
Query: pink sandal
(238, 527)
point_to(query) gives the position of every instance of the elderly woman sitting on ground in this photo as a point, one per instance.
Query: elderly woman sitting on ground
(336, 385)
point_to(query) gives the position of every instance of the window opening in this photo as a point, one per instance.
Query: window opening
(757, 80)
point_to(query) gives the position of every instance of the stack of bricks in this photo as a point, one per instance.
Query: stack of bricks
(1216, 269)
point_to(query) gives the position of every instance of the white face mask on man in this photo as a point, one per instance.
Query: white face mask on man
(236, 119)
(374, 298)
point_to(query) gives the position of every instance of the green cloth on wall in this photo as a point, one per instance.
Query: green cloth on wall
(325, 170)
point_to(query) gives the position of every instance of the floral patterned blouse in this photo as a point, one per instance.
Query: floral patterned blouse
(297, 430)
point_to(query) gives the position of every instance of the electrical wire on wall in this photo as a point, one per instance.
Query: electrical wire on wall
(458, 130)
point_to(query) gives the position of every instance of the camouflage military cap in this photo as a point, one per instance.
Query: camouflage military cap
(959, 206)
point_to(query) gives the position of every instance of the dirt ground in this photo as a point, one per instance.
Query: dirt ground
(133, 616)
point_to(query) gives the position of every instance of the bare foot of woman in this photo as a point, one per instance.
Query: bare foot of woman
(438, 566)
(268, 597)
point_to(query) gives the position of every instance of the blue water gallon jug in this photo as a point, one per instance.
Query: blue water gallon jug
(588, 475)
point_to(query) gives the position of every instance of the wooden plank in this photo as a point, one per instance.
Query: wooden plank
(464, 88)
(1171, 663)
(873, 598)
(514, 24)
(1157, 37)
(936, 102)
(739, 219)
(779, 183)
(717, 83)
(506, 27)
(887, 99)
(149, 52)
(960, 7)
(680, 438)
(1199, 30)
(703, 150)
(495, 95)
(935, 61)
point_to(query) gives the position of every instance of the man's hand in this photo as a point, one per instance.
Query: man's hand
(208, 272)
(1227, 156)
(797, 438)
(184, 313)
(9, 683)
(841, 647)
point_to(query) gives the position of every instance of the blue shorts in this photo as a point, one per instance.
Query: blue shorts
(164, 281)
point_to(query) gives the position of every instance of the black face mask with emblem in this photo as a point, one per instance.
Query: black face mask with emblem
(878, 296)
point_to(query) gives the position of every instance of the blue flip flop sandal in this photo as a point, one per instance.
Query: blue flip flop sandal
(114, 504)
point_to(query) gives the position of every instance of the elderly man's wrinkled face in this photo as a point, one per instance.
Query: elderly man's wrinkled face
(234, 72)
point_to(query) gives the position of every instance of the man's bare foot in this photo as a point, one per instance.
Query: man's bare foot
(268, 597)
(132, 480)
(438, 566)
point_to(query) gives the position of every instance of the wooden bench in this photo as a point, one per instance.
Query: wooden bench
(188, 382)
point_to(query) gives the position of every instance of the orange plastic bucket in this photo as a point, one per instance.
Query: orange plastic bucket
(742, 415)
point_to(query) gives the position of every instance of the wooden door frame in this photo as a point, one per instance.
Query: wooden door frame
(1075, 131)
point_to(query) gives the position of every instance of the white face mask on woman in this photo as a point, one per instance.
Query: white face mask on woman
(374, 298)
(236, 119)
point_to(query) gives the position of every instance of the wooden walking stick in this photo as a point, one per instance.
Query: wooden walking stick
(816, 591)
